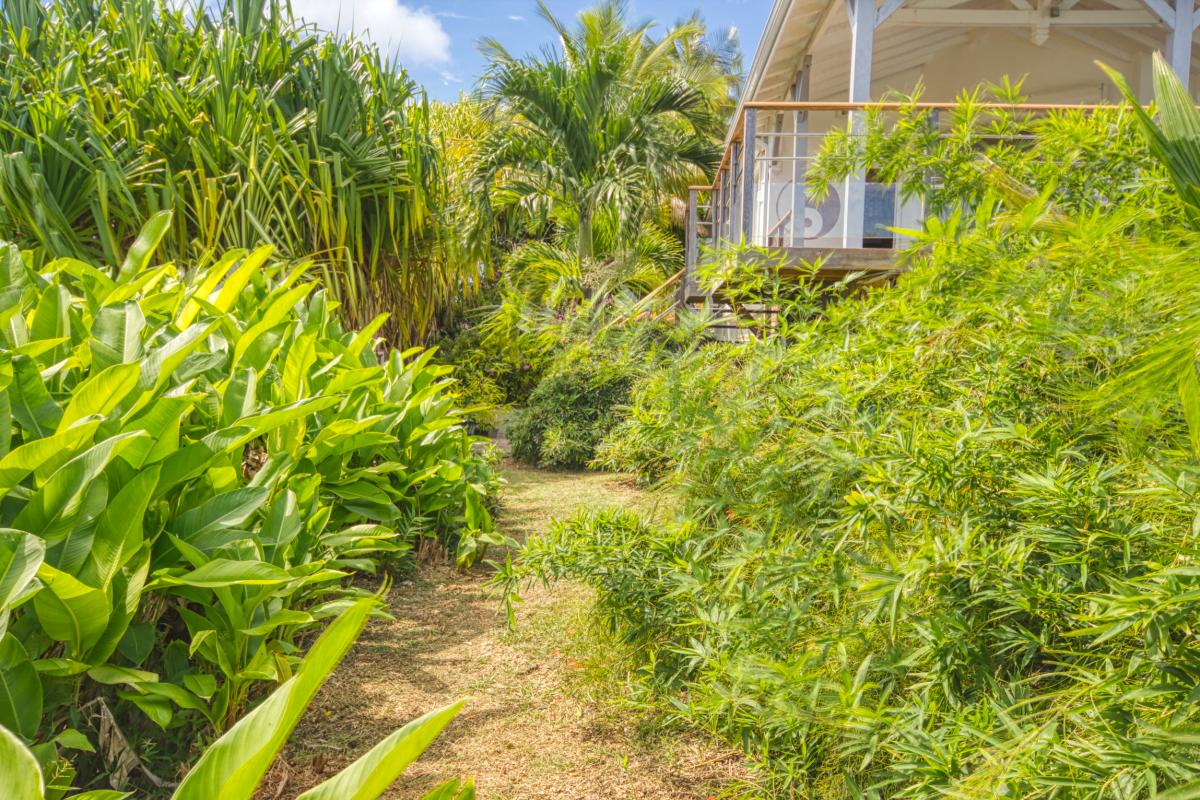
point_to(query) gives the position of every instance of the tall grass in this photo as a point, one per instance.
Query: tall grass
(247, 125)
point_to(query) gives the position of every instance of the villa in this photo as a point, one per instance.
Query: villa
(821, 61)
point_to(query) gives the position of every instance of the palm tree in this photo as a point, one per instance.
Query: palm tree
(608, 125)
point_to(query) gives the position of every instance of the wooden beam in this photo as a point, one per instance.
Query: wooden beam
(1179, 40)
(692, 245)
(978, 18)
(862, 47)
(1092, 39)
(749, 146)
(1162, 10)
(886, 10)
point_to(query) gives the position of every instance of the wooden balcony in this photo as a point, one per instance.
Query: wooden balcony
(762, 193)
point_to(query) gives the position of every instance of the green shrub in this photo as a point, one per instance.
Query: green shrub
(488, 383)
(572, 409)
(193, 465)
(917, 560)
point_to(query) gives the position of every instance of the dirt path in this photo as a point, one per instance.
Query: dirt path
(540, 722)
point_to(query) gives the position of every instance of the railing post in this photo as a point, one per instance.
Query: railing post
(749, 138)
(862, 43)
(800, 157)
(692, 246)
(1179, 40)
(735, 192)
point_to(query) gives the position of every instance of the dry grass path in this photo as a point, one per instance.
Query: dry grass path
(540, 723)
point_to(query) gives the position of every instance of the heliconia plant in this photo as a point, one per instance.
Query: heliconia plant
(193, 463)
(233, 767)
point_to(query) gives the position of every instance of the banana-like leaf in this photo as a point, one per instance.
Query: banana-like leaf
(144, 246)
(226, 510)
(100, 394)
(70, 611)
(452, 790)
(371, 775)
(21, 554)
(222, 572)
(117, 335)
(233, 766)
(52, 451)
(20, 774)
(20, 689)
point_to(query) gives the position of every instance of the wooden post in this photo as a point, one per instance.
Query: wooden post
(715, 211)
(1179, 40)
(862, 45)
(692, 245)
(733, 193)
(800, 152)
(749, 133)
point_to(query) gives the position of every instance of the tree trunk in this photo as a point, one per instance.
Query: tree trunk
(585, 246)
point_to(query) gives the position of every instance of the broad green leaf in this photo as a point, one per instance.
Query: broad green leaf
(70, 611)
(118, 534)
(50, 318)
(116, 335)
(113, 675)
(20, 689)
(276, 312)
(206, 287)
(51, 451)
(452, 790)
(227, 510)
(237, 281)
(159, 367)
(285, 617)
(296, 366)
(222, 572)
(142, 249)
(233, 766)
(21, 554)
(49, 511)
(371, 775)
(100, 393)
(20, 774)
(125, 591)
(32, 406)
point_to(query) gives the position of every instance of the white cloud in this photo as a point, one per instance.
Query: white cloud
(414, 34)
(516, 17)
(449, 78)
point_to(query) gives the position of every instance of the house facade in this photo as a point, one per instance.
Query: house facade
(820, 61)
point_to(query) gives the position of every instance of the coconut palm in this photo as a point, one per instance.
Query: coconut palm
(607, 124)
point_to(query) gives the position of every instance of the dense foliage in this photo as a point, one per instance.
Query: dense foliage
(939, 539)
(193, 463)
(247, 125)
(591, 144)
(233, 767)
(569, 413)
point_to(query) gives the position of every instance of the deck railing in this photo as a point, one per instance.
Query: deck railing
(761, 193)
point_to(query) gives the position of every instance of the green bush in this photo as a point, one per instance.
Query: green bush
(925, 554)
(488, 383)
(193, 467)
(572, 409)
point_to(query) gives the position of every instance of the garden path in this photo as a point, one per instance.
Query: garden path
(541, 722)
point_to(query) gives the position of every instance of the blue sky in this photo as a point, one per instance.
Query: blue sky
(437, 41)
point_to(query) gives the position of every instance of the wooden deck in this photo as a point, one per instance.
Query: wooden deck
(875, 264)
